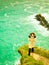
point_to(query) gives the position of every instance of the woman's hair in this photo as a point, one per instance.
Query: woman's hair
(31, 35)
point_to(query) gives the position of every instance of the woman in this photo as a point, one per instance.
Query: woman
(31, 40)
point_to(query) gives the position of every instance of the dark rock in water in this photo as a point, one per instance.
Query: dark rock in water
(42, 20)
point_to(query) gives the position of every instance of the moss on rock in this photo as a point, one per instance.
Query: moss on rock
(29, 60)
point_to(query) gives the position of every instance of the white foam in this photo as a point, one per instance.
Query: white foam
(6, 64)
(41, 29)
(18, 26)
(6, 6)
(17, 2)
(12, 4)
(41, 8)
(6, 15)
(17, 62)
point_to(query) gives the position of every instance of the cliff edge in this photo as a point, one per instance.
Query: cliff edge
(39, 57)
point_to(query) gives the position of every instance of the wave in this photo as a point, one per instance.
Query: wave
(17, 62)
(32, 21)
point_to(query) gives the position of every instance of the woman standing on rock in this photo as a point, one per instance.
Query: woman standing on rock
(31, 40)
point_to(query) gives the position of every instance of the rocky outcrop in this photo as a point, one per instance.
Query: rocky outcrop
(42, 21)
(40, 57)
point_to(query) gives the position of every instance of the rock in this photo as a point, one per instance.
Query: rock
(42, 21)
(39, 57)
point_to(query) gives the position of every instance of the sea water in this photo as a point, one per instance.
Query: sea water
(17, 20)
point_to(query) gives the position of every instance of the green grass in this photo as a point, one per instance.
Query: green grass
(29, 60)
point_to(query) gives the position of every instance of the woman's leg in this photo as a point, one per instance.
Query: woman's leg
(29, 51)
(32, 49)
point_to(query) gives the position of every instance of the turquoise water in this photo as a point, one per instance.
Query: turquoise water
(16, 22)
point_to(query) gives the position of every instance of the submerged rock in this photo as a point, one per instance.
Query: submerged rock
(42, 21)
